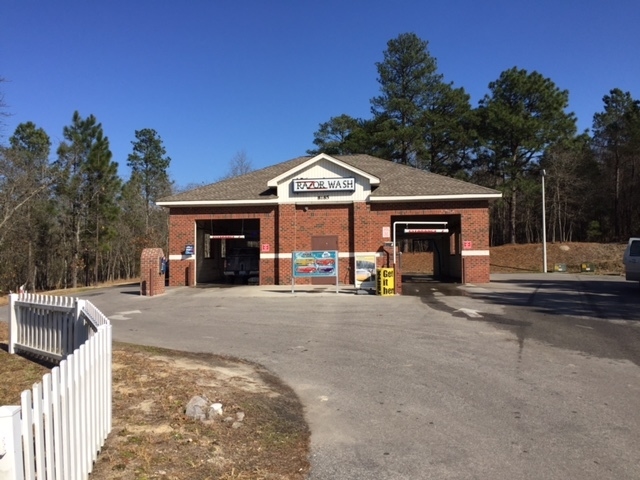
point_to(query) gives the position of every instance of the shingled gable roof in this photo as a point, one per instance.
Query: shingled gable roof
(373, 180)
(398, 183)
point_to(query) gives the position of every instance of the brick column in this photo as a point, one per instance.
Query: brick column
(151, 275)
(475, 259)
(286, 241)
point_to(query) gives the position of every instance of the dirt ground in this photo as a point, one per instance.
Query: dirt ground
(261, 433)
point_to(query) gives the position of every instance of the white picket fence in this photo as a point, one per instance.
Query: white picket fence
(62, 423)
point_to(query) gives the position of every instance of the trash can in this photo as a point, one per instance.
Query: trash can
(560, 267)
(385, 282)
(587, 267)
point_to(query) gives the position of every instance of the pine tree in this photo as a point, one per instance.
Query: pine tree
(87, 190)
(408, 84)
(522, 117)
(149, 165)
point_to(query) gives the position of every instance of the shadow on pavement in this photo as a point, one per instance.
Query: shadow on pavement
(603, 299)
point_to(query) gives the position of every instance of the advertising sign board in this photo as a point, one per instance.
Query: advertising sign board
(386, 282)
(315, 263)
(365, 272)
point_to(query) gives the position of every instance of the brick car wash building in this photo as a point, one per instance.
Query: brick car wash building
(357, 206)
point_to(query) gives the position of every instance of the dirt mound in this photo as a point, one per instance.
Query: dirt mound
(606, 258)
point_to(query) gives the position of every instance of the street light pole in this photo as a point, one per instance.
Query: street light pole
(544, 228)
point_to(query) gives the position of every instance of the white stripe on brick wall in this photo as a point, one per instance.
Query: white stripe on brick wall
(182, 257)
(273, 256)
(475, 253)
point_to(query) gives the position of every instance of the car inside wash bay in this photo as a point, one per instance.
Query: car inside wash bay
(369, 210)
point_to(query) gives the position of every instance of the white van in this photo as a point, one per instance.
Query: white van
(631, 260)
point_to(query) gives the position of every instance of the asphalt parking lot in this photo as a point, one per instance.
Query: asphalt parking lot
(530, 376)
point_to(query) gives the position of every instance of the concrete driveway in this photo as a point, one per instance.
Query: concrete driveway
(527, 377)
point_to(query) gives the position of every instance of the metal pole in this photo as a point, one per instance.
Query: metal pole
(544, 228)
(394, 244)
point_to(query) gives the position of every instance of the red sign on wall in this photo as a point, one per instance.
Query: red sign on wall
(266, 247)
(467, 245)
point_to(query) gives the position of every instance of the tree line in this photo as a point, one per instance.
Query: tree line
(73, 221)
(518, 132)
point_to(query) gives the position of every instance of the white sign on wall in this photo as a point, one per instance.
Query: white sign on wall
(426, 230)
(324, 184)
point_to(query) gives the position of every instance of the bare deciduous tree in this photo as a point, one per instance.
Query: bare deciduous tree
(240, 164)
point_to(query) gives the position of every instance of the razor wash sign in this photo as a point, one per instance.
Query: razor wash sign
(324, 185)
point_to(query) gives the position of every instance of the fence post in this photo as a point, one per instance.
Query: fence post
(10, 444)
(13, 322)
(80, 334)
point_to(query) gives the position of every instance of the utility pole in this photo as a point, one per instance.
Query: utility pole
(544, 228)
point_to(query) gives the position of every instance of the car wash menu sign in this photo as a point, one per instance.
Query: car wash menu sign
(314, 263)
(324, 185)
(317, 263)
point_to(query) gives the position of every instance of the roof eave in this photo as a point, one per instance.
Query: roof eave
(433, 198)
(213, 203)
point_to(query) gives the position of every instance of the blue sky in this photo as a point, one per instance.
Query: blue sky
(217, 77)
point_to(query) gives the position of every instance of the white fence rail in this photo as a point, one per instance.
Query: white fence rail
(63, 421)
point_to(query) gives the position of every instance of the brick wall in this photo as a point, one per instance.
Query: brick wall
(476, 269)
(300, 223)
(419, 262)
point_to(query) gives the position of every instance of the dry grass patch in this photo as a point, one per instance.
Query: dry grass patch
(17, 373)
(153, 438)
